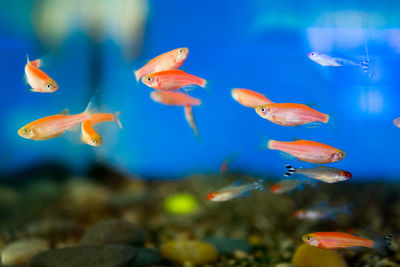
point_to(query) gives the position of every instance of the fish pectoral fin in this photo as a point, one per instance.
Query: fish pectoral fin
(34, 90)
(312, 124)
(286, 155)
(64, 112)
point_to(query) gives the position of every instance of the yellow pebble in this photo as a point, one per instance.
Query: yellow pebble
(189, 252)
(308, 256)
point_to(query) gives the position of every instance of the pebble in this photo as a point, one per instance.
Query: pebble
(147, 257)
(86, 256)
(308, 256)
(113, 231)
(20, 251)
(189, 253)
(54, 229)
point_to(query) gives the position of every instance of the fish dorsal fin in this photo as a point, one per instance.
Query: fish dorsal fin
(311, 105)
(234, 184)
(64, 112)
(297, 139)
(27, 59)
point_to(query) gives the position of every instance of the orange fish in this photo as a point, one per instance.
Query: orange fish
(167, 61)
(249, 98)
(336, 240)
(53, 126)
(290, 114)
(169, 80)
(38, 79)
(309, 151)
(89, 135)
(174, 98)
(190, 118)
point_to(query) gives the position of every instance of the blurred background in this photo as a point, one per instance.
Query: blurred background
(91, 48)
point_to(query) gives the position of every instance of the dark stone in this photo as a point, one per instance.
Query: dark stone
(86, 256)
(113, 232)
(147, 257)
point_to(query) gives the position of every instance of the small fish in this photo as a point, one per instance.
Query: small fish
(322, 173)
(169, 80)
(308, 151)
(235, 190)
(327, 61)
(190, 118)
(224, 166)
(321, 212)
(53, 126)
(38, 79)
(291, 114)
(285, 186)
(174, 98)
(397, 122)
(249, 98)
(167, 61)
(337, 240)
(89, 135)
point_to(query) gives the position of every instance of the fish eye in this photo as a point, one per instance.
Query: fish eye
(26, 130)
(262, 109)
(308, 238)
(341, 154)
(312, 53)
(149, 79)
(49, 85)
(180, 51)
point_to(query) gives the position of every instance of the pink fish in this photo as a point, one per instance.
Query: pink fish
(169, 80)
(167, 61)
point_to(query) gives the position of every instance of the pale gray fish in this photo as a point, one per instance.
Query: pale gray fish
(322, 173)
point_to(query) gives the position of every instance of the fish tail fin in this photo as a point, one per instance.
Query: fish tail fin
(117, 116)
(137, 75)
(258, 185)
(289, 170)
(91, 107)
(383, 245)
(271, 144)
(203, 83)
(37, 63)
(364, 64)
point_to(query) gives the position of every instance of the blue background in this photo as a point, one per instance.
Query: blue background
(260, 45)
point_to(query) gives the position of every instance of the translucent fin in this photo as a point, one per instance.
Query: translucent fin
(37, 63)
(34, 90)
(312, 105)
(383, 245)
(312, 124)
(259, 185)
(64, 112)
(91, 107)
(297, 139)
(117, 120)
(286, 155)
(137, 75)
(27, 59)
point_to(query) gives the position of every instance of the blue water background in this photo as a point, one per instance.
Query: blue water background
(261, 45)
